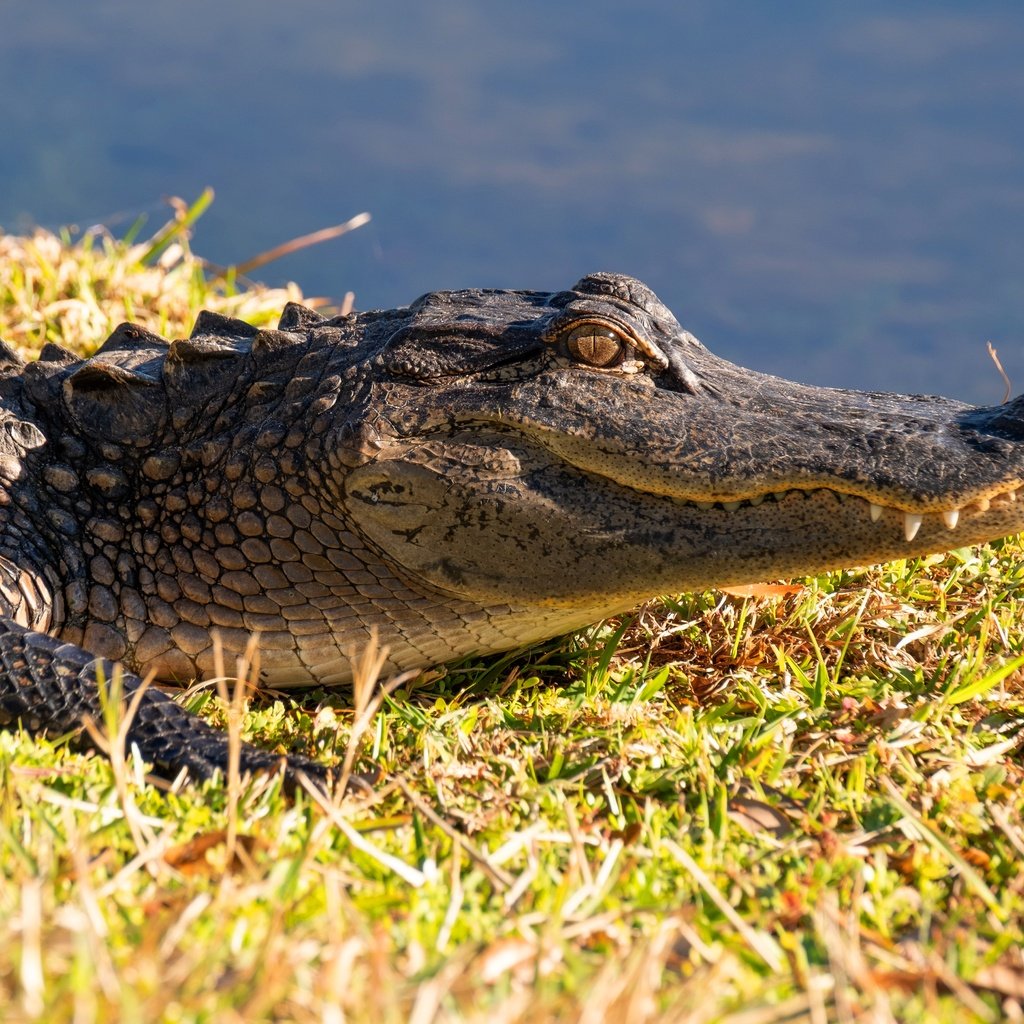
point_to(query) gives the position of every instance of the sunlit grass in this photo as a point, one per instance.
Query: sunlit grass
(76, 292)
(800, 806)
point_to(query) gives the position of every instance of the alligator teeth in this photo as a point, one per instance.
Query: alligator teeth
(1012, 495)
(911, 524)
(911, 520)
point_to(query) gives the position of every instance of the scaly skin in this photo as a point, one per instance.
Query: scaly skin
(474, 472)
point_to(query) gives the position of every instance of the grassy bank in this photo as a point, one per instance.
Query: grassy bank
(804, 803)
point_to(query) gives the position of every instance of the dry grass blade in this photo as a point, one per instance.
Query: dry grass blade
(246, 680)
(368, 693)
(940, 843)
(302, 242)
(500, 879)
(112, 740)
(761, 943)
(1011, 830)
(994, 356)
(91, 903)
(31, 973)
(410, 875)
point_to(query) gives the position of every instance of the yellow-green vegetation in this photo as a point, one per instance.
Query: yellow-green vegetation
(802, 803)
(76, 292)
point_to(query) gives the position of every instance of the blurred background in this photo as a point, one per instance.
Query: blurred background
(830, 191)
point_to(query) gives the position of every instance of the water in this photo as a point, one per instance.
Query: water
(834, 192)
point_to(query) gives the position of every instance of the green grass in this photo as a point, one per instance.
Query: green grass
(804, 806)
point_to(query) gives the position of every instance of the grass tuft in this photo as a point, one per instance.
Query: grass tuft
(75, 292)
(794, 803)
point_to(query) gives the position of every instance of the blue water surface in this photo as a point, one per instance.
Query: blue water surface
(830, 191)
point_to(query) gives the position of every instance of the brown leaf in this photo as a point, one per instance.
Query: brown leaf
(976, 858)
(902, 981)
(763, 590)
(630, 834)
(203, 855)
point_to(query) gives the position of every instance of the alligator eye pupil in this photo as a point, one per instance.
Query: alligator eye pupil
(595, 345)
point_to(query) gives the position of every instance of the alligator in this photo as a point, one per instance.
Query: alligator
(474, 472)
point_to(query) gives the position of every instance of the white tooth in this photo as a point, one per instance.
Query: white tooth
(757, 500)
(1012, 495)
(704, 505)
(951, 518)
(730, 506)
(876, 512)
(911, 524)
(983, 504)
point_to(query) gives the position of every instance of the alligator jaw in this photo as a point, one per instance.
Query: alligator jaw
(974, 512)
(538, 532)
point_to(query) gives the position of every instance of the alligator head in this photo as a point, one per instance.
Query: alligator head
(473, 472)
(581, 450)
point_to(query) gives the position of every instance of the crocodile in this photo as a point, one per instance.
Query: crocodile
(471, 473)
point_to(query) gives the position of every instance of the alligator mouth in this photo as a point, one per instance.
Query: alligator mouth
(912, 521)
(913, 511)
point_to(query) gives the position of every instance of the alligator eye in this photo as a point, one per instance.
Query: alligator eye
(596, 345)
